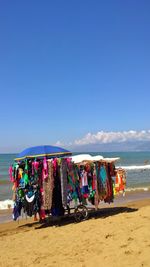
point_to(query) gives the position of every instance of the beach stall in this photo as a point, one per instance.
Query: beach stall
(49, 181)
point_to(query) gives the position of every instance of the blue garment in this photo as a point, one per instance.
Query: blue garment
(103, 175)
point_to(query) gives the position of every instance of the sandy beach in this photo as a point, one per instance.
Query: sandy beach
(114, 236)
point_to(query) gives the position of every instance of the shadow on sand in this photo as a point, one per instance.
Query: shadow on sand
(68, 219)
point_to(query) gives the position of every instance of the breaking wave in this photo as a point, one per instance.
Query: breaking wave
(134, 189)
(135, 167)
(6, 204)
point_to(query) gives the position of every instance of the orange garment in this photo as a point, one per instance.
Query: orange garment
(120, 181)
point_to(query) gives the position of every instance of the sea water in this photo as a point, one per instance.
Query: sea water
(136, 164)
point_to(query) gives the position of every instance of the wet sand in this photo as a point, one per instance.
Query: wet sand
(117, 235)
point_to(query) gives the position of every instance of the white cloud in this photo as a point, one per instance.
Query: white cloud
(59, 143)
(110, 137)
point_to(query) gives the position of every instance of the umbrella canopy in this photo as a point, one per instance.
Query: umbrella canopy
(43, 151)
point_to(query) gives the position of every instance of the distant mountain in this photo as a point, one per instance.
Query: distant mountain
(143, 146)
(112, 147)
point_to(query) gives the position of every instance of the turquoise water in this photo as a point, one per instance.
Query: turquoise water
(136, 178)
(5, 186)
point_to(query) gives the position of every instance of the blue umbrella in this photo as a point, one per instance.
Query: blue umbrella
(43, 151)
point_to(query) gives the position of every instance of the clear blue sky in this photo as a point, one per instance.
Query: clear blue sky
(72, 67)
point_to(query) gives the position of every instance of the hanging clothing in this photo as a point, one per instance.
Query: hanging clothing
(45, 169)
(31, 203)
(57, 207)
(25, 174)
(109, 185)
(48, 185)
(63, 178)
(74, 191)
(95, 186)
(120, 180)
(84, 183)
(101, 182)
(35, 166)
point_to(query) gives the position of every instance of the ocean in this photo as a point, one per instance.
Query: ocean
(136, 164)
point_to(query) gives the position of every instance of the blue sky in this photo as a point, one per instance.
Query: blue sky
(72, 68)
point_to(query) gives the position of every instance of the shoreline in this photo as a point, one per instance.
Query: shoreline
(130, 197)
(104, 210)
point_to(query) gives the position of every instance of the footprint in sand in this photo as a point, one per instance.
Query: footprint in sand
(128, 252)
(130, 239)
(44, 237)
(145, 217)
(108, 235)
(37, 260)
(124, 246)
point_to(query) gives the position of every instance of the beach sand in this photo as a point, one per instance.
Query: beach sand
(115, 236)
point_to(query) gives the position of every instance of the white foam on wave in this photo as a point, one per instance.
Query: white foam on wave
(135, 167)
(130, 189)
(6, 204)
